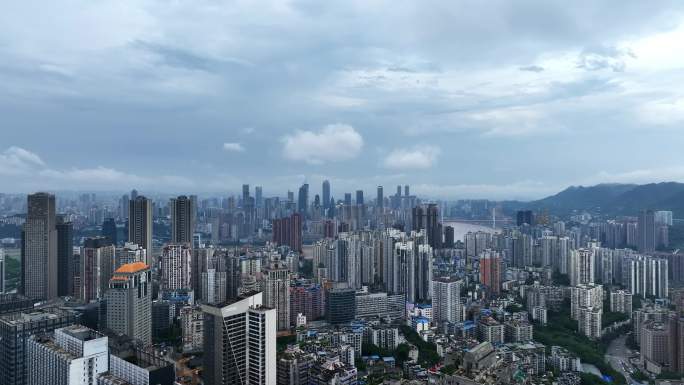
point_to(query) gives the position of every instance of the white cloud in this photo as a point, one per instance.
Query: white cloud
(335, 142)
(30, 172)
(233, 147)
(17, 161)
(418, 157)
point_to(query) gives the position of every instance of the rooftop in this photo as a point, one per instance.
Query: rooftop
(132, 267)
(81, 332)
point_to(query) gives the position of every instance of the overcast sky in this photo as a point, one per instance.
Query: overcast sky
(460, 99)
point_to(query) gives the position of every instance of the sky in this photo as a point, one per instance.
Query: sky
(460, 99)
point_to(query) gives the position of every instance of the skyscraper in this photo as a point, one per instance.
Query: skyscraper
(646, 276)
(422, 275)
(75, 355)
(233, 276)
(240, 342)
(490, 270)
(277, 293)
(380, 200)
(340, 305)
(140, 223)
(245, 194)
(182, 219)
(2, 271)
(446, 300)
(525, 217)
(303, 200)
(176, 267)
(96, 267)
(123, 207)
(65, 257)
(426, 218)
(129, 302)
(326, 194)
(288, 231)
(449, 237)
(258, 196)
(39, 248)
(646, 237)
(359, 197)
(347, 199)
(108, 230)
(15, 331)
(581, 267)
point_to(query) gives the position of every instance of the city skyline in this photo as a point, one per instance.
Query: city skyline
(470, 101)
(297, 192)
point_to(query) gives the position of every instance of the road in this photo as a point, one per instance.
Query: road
(618, 353)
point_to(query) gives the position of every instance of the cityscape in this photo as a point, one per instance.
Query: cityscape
(301, 288)
(293, 192)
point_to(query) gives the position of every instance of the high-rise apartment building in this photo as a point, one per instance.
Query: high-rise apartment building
(140, 223)
(646, 276)
(192, 326)
(585, 296)
(655, 343)
(419, 274)
(15, 331)
(240, 342)
(182, 219)
(96, 268)
(288, 231)
(646, 236)
(490, 271)
(214, 285)
(446, 300)
(176, 271)
(589, 322)
(39, 248)
(129, 302)
(581, 267)
(75, 355)
(276, 293)
(663, 218)
(426, 218)
(621, 302)
(490, 330)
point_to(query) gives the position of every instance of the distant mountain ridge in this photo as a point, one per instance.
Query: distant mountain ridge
(618, 199)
